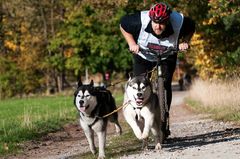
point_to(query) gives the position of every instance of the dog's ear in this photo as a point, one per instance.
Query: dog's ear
(91, 83)
(146, 75)
(130, 75)
(80, 82)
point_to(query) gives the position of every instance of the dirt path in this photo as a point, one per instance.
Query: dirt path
(193, 136)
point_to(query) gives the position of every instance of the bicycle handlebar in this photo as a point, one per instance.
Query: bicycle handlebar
(169, 51)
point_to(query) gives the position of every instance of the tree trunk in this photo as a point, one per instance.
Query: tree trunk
(1, 29)
(45, 32)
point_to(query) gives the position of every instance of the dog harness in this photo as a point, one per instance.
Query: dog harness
(94, 114)
(139, 108)
(91, 124)
(138, 113)
(146, 38)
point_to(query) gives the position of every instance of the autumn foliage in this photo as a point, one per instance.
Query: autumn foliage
(45, 45)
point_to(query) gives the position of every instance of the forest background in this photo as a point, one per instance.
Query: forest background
(48, 44)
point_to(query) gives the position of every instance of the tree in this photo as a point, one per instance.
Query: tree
(45, 43)
(215, 44)
(220, 31)
(93, 34)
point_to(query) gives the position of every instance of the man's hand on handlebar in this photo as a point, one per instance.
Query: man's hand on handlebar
(183, 46)
(134, 48)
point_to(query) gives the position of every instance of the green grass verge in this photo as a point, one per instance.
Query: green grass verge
(223, 113)
(30, 118)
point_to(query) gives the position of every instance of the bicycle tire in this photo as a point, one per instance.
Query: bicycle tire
(161, 92)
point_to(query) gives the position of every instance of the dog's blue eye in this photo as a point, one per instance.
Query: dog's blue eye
(79, 96)
(134, 88)
(87, 95)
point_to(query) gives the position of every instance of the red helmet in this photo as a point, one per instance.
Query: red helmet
(160, 13)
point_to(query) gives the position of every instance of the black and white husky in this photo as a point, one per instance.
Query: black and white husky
(93, 103)
(142, 111)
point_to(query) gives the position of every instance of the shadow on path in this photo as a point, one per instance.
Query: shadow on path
(181, 143)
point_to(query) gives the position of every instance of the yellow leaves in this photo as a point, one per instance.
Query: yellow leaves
(68, 53)
(211, 21)
(207, 67)
(204, 58)
(205, 22)
(220, 9)
(198, 61)
(11, 46)
(224, 14)
(197, 40)
(28, 60)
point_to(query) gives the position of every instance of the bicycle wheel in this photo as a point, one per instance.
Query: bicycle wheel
(162, 102)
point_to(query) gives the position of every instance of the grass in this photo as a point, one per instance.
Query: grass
(221, 99)
(30, 118)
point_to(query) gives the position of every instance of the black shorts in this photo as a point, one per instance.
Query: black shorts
(141, 66)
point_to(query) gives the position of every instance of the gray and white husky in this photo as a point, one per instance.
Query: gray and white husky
(142, 111)
(93, 103)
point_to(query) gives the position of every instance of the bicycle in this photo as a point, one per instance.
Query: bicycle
(159, 87)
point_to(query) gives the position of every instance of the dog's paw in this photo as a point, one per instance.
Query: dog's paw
(101, 154)
(118, 133)
(144, 135)
(138, 134)
(101, 157)
(94, 151)
(118, 130)
(139, 137)
(158, 146)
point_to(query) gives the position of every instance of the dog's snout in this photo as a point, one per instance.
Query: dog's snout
(81, 102)
(139, 94)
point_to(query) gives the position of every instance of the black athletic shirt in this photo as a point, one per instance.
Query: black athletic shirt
(132, 24)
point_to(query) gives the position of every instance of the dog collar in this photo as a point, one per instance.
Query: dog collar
(137, 108)
(94, 121)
